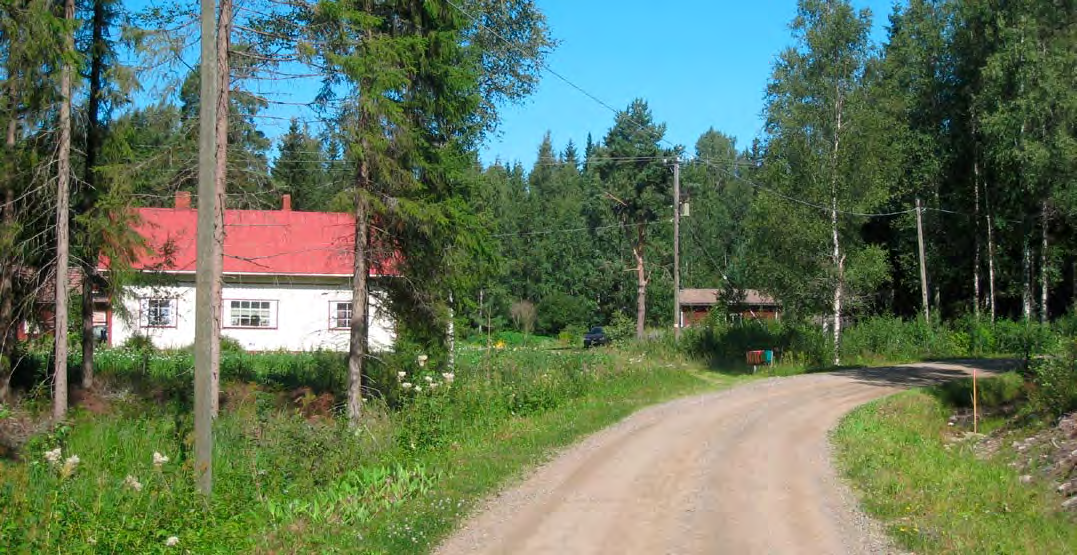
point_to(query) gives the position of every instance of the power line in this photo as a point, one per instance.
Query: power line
(576, 229)
(807, 203)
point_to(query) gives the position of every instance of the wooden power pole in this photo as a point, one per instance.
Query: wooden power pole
(923, 264)
(208, 264)
(677, 248)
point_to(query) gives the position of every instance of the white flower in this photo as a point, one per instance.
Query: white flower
(406, 385)
(132, 483)
(70, 465)
(172, 541)
(401, 375)
(422, 360)
(428, 379)
(159, 459)
(448, 376)
(434, 385)
(418, 389)
(53, 456)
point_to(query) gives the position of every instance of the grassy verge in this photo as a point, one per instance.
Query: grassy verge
(290, 481)
(936, 496)
(481, 463)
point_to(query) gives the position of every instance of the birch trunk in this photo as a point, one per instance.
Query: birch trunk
(641, 283)
(990, 254)
(1026, 278)
(63, 194)
(838, 258)
(976, 235)
(1043, 267)
(839, 263)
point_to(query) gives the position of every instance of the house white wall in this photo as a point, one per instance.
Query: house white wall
(302, 321)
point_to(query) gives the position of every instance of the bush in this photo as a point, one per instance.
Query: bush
(1054, 380)
(727, 344)
(139, 343)
(992, 392)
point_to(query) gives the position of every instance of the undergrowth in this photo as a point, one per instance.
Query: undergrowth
(430, 446)
(937, 496)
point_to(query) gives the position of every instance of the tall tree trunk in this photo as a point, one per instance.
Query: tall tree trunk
(838, 257)
(976, 229)
(7, 264)
(59, 399)
(641, 282)
(94, 142)
(359, 327)
(1043, 266)
(990, 254)
(1026, 277)
(224, 42)
(839, 264)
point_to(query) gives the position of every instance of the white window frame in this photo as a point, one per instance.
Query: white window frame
(334, 315)
(235, 321)
(145, 310)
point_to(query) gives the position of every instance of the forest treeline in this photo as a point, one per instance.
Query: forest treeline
(968, 106)
(966, 109)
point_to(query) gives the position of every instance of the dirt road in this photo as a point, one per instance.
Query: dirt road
(742, 471)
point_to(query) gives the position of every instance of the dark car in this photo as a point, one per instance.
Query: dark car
(595, 337)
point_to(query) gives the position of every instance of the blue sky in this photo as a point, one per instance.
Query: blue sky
(698, 63)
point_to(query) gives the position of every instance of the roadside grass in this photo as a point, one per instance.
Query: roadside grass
(936, 496)
(286, 481)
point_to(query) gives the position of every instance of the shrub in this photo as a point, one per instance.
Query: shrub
(621, 327)
(139, 343)
(231, 345)
(991, 392)
(1054, 380)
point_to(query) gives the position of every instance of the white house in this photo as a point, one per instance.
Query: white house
(287, 281)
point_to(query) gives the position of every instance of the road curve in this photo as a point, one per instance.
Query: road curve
(741, 471)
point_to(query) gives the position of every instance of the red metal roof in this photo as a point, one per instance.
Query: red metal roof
(282, 242)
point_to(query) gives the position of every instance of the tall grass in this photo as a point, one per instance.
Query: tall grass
(871, 340)
(939, 497)
(285, 483)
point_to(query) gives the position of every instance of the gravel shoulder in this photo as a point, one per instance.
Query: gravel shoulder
(746, 470)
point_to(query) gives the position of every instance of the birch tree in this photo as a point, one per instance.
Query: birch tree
(824, 148)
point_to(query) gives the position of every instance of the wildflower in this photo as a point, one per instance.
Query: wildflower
(422, 360)
(434, 385)
(172, 541)
(91, 540)
(418, 389)
(428, 379)
(53, 456)
(70, 465)
(132, 483)
(401, 375)
(448, 376)
(406, 385)
(159, 460)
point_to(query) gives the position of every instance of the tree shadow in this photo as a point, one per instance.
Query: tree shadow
(929, 373)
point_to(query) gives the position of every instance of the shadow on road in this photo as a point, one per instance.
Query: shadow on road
(927, 373)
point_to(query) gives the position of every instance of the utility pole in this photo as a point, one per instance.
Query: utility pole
(208, 264)
(923, 265)
(677, 248)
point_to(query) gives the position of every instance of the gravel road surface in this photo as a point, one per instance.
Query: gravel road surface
(741, 471)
